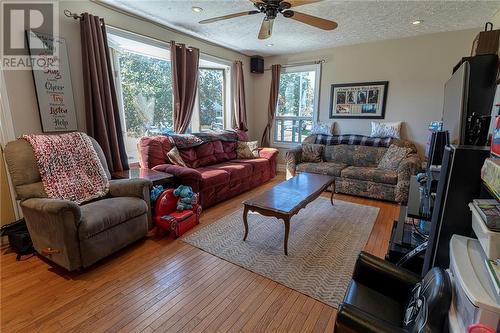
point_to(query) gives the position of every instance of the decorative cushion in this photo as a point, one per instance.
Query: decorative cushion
(312, 152)
(393, 157)
(175, 158)
(322, 128)
(386, 129)
(247, 149)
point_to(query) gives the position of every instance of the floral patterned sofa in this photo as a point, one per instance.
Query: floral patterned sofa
(354, 161)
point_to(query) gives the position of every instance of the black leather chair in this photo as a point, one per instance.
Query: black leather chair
(383, 297)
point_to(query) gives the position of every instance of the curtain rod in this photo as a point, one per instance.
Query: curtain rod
(76, 16)
(165, 43)
(163, 26)
(313, 62)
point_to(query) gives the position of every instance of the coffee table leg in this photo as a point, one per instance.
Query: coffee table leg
(245, 222)
(333, 192)
(287, 231)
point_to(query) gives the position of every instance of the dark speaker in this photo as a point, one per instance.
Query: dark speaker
(459, 183)
(257, 65)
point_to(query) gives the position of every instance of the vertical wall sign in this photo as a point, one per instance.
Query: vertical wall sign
(52, 79)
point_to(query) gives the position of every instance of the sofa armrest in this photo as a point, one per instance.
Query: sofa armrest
(53, 206)
(384, 276)
(53, 223)
(136, 187)
(292, 158)
(351, 319)
(408, 167)
(268, 153)
(186, 176)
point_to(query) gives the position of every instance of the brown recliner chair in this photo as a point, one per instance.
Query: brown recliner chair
(71, 235)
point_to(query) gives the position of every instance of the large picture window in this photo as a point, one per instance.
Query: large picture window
(143, 78)
(297, 103)
(211, 98)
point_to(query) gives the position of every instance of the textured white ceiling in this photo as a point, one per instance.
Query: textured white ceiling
(359, 21)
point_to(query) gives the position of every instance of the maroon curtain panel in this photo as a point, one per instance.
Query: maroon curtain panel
(184, 83)
(101, 105)
(239, 97)
(273, 103)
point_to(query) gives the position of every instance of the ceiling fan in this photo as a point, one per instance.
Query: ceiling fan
(271, 9)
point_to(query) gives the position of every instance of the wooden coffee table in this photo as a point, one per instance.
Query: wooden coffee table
(287, 199)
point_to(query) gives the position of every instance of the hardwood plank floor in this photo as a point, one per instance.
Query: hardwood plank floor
(164, 285)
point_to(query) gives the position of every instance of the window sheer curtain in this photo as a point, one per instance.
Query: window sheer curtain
(185, 62)
(101, 104)
(240, 109)
(273, 104)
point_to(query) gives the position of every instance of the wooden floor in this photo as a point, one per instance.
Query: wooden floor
(165, 285)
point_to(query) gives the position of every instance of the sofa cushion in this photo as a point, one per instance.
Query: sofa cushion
(258, 164)
(235, 170)
(393, 157)
(312, 152)
(363, 156)
(153, 150)
(366, 156)
(211, 177)
(324, 168)
(371, 174)
(339, 154)
(98, 216)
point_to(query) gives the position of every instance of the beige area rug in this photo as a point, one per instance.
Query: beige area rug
(322, 248)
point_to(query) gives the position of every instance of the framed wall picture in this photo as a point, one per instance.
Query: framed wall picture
(365, 100)
(54, 93)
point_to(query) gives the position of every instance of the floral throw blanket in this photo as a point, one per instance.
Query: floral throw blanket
(69, 166)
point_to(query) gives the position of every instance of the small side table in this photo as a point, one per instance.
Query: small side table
(157, 177)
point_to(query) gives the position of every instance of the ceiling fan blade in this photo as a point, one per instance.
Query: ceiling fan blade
(230, 16)
(296, 3)
(314, 21)
(266, 29)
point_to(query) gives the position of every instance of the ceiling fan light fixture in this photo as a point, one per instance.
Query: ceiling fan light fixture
(417, 22)
(196, 9)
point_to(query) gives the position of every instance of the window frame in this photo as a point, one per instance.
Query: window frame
(314, 118)
(218, 63)
(227, 110)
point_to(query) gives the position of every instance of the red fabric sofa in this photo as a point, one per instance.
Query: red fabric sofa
(213, 170)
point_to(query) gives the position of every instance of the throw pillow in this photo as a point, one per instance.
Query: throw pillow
(312, 152)
(393, 157)
(247, 149)
(175, 157)
(322, 128)
(391, 130)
